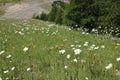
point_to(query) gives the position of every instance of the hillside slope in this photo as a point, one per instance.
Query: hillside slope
(36, 50)
(26, 8)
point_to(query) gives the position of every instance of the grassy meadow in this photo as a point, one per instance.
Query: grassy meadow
(36, 50)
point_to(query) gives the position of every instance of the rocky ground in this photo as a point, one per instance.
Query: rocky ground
(26, 9)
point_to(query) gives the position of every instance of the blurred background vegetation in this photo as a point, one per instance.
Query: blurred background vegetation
(103, 15)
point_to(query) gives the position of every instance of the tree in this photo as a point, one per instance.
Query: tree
(56, 11)
(58, 18)
(83, 12)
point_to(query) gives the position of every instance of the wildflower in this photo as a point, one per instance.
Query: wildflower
(0, 78)
(21, 33)
(65, 67)
(7, 78)
(28, 69)
(83, 32)
(6, 71)
(118, 73)
(1, 52)
(87, 33)
(118, 59)
(108, 66)
(68, 56)
(75, 60)
(62, 51)
(79, 45)
(9, 56)
(86, 43)
(73, 48)
(77, 51)
(93, 45)
(102, 46)
(96, 48)
(25, 49)
(13, 68)
(72, 45)
(65, 40)
(86, 78)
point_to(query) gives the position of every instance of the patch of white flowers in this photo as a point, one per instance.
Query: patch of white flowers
(28, 69)
(25, 49)
(0, 78)
(65, 67)
(68, 56)
(13, 68)
(109, 66)
(75, 60)
(1, 52)
(9, 56)
(118, 59)
(6, 71)
(62, 51)
(77, 51)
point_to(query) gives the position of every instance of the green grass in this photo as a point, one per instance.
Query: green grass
(44, 41)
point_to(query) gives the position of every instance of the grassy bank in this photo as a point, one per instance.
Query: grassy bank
(36, 50)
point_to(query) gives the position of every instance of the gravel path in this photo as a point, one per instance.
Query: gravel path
(25, 9)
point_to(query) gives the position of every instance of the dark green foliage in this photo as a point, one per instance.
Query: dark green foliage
(114, 14)
(56, 12)
(85, 13)
(90, 14)
(43, 16)
(58, 18)
(52, 14)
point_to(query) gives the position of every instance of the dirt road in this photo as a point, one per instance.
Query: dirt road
(25, 9)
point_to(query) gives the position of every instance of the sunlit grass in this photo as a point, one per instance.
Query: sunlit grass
(31, 50)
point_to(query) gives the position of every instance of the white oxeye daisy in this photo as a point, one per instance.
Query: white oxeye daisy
(13, 68)
(0, 78)
(28, 69)
(83, 32)
(25, 49)
(6, 71)
(77, 51)
(9, 56)
(108, 66)
(96, 48)
(79, 45)
(73, 48)
(7, 78)
(75, 60)
(118, 59)
(102, 46)
(68, 56)
(62, 51)
(1, 52)
(65, 67)
(93, 45)
(72, 45)
(86, 78)
(86, 43)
